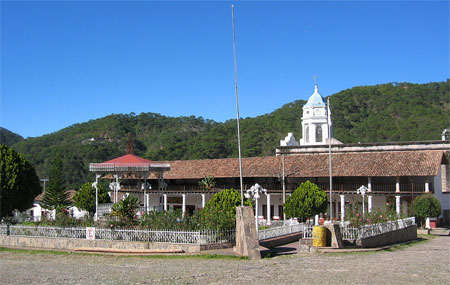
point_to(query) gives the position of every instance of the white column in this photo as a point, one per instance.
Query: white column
(165, 201)
(427, 185)
(427, 223)
(203, 200)
(342, 207)
(369, 183)
(369, 203)
(183, 205)
(97, 176)
(316, 220)
(397, 184)
(269, 214)
(147, 202)
(398, 204)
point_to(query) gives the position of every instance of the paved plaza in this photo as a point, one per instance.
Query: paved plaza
(422, 263)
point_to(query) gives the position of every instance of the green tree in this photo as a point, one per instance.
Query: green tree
(220, 211)
(85, 197)
(207, 183)
(427, 206)
(18, 180)
(306, 201)
(56, 197)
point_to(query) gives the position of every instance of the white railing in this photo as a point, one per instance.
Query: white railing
(3, 229)
(352, 233)
(349, 233)
(47, 231)
(307, 231)
(381, 228)
(280, 231)
(181, 237)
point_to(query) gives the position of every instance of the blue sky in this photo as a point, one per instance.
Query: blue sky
(68, 62)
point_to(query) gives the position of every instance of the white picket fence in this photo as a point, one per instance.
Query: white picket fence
(381, 228)
(165, 236)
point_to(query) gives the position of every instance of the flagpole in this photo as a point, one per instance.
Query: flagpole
(237, 109)
(329, 157)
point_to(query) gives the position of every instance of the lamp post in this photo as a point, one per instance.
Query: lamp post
(255, 191)
(362, 190)
(44, 180)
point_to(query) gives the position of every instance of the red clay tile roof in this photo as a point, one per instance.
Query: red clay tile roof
(128, 158)
(401, 163)
(41, 196)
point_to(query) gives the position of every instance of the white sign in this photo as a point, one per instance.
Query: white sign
(90, 233)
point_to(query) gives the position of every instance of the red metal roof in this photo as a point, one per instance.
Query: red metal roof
(128, 159)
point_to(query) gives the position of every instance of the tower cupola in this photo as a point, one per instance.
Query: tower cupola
(314, 120)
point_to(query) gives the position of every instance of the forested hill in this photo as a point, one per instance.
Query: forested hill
(9, 138)
(388, 112)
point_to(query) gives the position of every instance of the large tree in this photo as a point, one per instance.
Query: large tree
(85, 197)
(56, 197)
(306, 201)
(18, 180)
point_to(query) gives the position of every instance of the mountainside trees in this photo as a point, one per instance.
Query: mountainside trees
(9, 138)
(386, 112)
(19, 184)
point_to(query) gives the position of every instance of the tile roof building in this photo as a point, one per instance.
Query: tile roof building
(394, 172)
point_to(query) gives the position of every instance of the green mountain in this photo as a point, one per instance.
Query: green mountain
(9, 138)
(387, 112)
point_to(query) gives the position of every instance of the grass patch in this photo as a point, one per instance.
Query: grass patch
(56, 252)
(421, 239)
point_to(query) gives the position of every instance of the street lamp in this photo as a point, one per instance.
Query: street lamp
(362, 190)
(255, 191)
(44, 180)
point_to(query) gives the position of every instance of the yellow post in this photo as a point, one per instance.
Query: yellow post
(319, 236)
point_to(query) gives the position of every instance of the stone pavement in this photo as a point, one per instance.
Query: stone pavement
(422, 263)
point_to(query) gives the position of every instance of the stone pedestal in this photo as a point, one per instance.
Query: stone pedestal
(336, 237)
(247, 243)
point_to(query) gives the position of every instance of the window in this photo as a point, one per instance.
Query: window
(307, 134)
(319, 134)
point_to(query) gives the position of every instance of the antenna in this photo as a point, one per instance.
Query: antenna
(315, 79)
(237, 108)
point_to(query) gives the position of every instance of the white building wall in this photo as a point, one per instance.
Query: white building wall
(443, 197)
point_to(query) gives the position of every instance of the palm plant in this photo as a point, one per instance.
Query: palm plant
(125, 209)
(207, 183)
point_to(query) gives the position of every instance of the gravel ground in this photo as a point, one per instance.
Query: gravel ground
(423, 263)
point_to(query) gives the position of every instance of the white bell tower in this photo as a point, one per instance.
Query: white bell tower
(314, 121)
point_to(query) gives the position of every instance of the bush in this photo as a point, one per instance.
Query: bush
(353, 214)
(170, 220)
(426, 206)
(220, 211)
(306, 201)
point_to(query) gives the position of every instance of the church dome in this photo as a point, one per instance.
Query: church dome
(315, 100)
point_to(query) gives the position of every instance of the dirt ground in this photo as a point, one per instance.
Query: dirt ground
(422, 263)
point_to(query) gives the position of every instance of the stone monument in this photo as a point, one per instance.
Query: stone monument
(247, 243)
